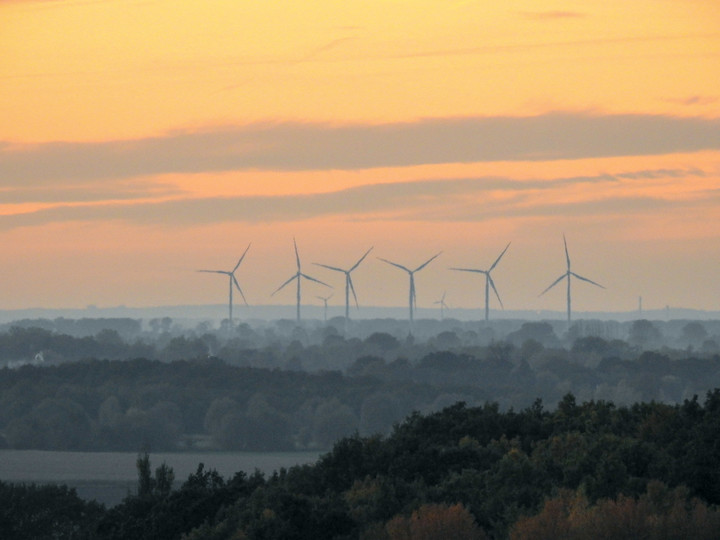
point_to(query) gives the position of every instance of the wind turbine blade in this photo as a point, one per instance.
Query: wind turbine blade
(400, 266)
(558, 280)
(237, 285)
(352, 290)
(361, 260)
(586, 279)
(214, 272)
(296, 276)
(297, 255)
(442, 300)
(567, 254)
(330, 267)
(423, 265)
(492, 284)
(241, 258)
(315, 280)
(500, 257)
(475, 270)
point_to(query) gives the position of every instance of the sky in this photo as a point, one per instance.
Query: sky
(142, 140)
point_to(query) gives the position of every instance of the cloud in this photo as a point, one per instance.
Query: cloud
(125, 190)
(318, 146)
(695, 100)
(456, 199)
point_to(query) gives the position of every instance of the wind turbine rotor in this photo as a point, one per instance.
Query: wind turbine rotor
(296, 276)
(241, 258)
(331, 267)
(400, 266)
(313, 279)
(237, 286)
(423, 265)
(558, 280)
(352, 290)
(586, 279)
(499, 257)
(492, 284)
(297, 255)
(361, 260)
(475, 270)
(567, 254)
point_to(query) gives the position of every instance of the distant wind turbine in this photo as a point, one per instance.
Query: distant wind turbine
(568, 275)
(411, 273)
(298, 275)
(233, 281)
(325, 301)
(442, 304)
(488, 281)
(348, 282)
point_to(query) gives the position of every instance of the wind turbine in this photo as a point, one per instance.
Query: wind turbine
(568, 275)
(325, 301)
(348, 283)
(411, 273)
(488, 281)
(442, 304)
(233, 281)
(298, 275)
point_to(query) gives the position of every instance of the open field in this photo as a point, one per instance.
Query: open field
(108, 476)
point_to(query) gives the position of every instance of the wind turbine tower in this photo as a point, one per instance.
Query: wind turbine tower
(348, 284)
(488, 281)
(411, 273)
(233, 281)
(442, 304)
(569, 274)
(298, 276)
(325, 301)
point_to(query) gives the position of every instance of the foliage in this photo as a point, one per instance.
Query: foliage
(45, 512)
(432, 521)
(583, 470)
(659, 513)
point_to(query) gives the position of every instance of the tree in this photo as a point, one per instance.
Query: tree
(644, 334)
(53, 424)
(434, 521)
(46, 512)
(693, 334)
(160, 485)
(658, 514)
(383, 341)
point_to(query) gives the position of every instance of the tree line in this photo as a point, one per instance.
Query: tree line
(582, 470)
(262, 399)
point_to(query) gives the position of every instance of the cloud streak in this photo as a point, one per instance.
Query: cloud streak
(120, 191)
(317, 146)
(459, 199)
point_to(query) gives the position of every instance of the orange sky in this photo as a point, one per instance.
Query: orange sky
(142, 140)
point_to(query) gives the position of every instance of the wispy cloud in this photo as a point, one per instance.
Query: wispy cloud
(457, 199)
(112, 191)
(316, 146)
(694, 100)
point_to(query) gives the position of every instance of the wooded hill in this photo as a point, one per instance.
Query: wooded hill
(584, 470)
